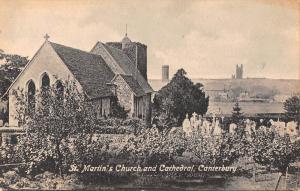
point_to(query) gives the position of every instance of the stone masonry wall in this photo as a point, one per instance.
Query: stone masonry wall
(124, 95)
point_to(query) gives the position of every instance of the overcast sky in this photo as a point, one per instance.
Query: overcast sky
(206, 38)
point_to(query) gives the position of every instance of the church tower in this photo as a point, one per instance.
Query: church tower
(137, 52)
(239, 72)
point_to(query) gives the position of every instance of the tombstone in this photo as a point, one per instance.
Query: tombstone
(186, 125)
(1, 123)
(217, 129)
(292, 128)
(232, 128)
(281, 130)
(248, 127)
(222, 119)
(194, 121)
(206, 127)
(213, 118)
(199, 123)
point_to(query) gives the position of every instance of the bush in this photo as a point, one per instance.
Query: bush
(271, 149)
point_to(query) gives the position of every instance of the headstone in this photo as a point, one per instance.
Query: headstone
(206, 127)
(292, 128)
(248, 129)
(217, 128)
(1, 123)
(232, 128)
(213, 118)
(186, 125)
(194, 121)
(197, 124)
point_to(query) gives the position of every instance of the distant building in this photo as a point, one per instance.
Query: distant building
(165, 73)
(281, 97)
(238, 72)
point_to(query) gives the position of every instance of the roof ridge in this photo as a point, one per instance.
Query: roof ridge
(53, 43)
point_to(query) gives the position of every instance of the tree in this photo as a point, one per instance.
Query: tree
(179, 97)
(10, 69)
(292, 108)
(237, 118)
(57, 121)
(271, 149)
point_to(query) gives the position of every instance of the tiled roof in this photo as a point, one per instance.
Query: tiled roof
(133, 84)
(128, 67)
(89, 69)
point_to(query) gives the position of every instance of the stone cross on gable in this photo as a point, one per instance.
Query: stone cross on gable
(46, 37)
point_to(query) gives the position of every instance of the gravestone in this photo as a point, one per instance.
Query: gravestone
(217, 128)
(206, 127)
(232, 128)
(194, 121)
(186, 125)
(292, 128)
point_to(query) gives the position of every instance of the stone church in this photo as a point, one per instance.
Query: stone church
(109, 69)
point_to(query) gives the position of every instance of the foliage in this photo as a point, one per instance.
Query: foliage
(149, 147)
(13, 64)
(237, 116)
(216, 150)
(116, 109)
(179, 97)
(11, 154)
(152, 147)
(292, 108)
(52, 124)
(271, 149)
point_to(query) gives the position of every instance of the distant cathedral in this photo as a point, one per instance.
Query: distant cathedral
(238, 72)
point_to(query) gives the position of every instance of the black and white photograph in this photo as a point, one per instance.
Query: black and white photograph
(149, 95)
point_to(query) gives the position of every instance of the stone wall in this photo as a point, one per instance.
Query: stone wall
(102, 107)
(124, 94)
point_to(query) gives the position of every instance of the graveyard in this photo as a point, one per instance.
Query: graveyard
(48, 148)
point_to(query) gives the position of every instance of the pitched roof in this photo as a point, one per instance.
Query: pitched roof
(89, 69)
(133, 84)
(128, 67)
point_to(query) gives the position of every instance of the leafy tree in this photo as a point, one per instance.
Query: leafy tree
(271, 149)
(292, 108)
(237, 116)
(179, 97)
(51, 129)
(10, 69)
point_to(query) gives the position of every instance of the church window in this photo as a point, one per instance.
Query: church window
(31, 96)
(45, 81)
(59, 90)
(45, 88)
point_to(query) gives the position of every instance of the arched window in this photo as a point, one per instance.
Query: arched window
(45, 88)
(31, 96)
(45, 81)
(59, 90)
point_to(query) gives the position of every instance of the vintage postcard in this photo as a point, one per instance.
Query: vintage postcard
(149, 95)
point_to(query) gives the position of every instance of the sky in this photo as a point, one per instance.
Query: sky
(205, 37)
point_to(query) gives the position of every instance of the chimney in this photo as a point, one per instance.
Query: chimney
(165, 73)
